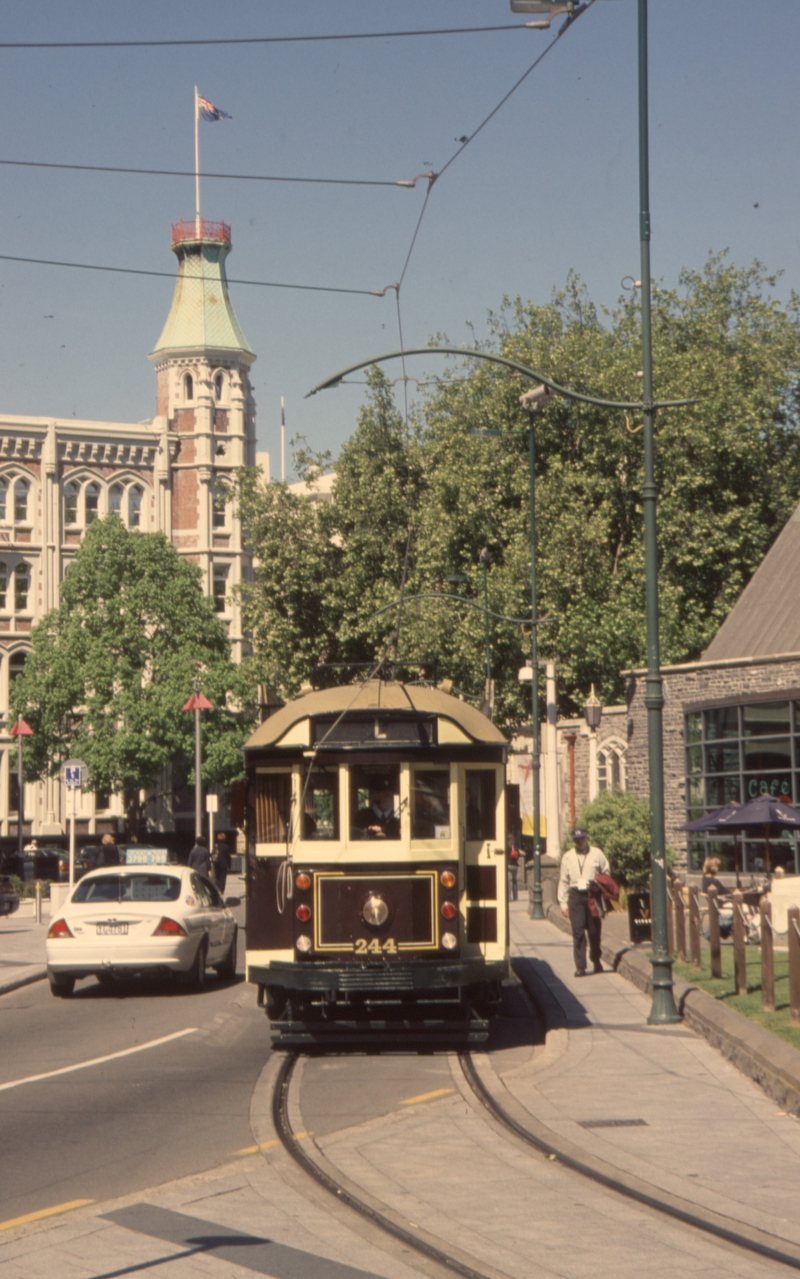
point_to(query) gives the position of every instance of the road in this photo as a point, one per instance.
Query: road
(137, 1120)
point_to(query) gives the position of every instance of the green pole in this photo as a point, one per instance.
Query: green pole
(485, 558)
(535, 909)
(663, 1010)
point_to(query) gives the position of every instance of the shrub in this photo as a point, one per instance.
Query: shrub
(619, 823)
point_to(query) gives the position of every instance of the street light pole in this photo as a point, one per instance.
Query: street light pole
(198, 702)
(663, 1010)
(535, 909)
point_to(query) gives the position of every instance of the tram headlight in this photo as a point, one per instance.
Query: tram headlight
(303, 913)
(303, 881)
(303, 943)
(447, 879)
(449, 910)
(449, 941)
(375, 911)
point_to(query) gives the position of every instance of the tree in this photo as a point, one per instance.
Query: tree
(728, 469)
(111, 667)
(619, 823)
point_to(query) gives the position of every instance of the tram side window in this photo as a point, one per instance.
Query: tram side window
(375, 801)
(273, 807)
(481, 800)
(430, 804)
(321, 804)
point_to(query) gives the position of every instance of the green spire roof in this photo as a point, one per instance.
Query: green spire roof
(201, 314)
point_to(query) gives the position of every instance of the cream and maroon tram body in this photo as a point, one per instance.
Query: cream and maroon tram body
(376, 869)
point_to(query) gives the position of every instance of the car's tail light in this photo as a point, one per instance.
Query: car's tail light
(303, 913)
(449, 910)
(303, 881)
(63, 863)
(59, 928)
(447, 879)
(169, 928)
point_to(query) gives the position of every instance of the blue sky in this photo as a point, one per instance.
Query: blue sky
(550, 185)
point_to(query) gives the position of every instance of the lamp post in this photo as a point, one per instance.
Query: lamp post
(19, 730)
(197, 703)
(592, 713)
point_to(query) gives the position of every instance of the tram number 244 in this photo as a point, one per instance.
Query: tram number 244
(362, 947)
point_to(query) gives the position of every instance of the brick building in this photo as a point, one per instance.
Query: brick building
(58, 475)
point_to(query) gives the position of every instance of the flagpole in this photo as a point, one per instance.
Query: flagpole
(196, 164)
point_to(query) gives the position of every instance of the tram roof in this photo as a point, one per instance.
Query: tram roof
(377, 695)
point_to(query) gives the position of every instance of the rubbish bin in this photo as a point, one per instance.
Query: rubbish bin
(640, 923)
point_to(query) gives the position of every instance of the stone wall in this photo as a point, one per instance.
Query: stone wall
(687, 686)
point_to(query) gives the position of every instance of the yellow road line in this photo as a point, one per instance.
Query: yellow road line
(45, 1212)
(426, 1096)
(267, 1145)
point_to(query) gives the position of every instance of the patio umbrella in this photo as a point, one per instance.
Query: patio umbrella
(711, 821)
(763, 817)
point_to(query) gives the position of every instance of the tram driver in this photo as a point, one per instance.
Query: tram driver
(377, 818)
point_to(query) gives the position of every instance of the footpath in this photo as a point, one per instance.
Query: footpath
(659, 1106)
(22, 947)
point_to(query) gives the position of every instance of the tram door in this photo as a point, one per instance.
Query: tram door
(483, 824)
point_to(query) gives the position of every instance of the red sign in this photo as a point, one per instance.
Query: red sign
(21, 729)
(198, 702)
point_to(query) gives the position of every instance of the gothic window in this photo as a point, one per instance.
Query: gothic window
(219, 386)
(188, 387)
(92, 502)
(3, 584)
(219, 514)
(22, 582)
(3, 499)
(20, 502)
(134, 507)
(611, 767)
(16, 666)
(220, 587)
(71, 495)
(115, 500)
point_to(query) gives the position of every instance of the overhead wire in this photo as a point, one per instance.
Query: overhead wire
(229, 177)
(171, 44)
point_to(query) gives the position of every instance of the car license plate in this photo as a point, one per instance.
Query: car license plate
(112, 930)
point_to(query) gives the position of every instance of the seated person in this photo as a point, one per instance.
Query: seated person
(710, 873)
(378, 819)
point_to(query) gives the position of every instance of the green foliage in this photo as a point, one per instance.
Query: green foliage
(111, 667)
(619, 823)
(728, 470)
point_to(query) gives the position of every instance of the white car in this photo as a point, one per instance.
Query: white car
(123, 920)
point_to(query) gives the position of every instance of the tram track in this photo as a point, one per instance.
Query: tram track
(537, 1136)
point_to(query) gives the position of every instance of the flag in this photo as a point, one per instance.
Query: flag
(208, 111)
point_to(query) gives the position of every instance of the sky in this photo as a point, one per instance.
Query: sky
(549, 185)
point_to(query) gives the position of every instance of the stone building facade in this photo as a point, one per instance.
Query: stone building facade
(58, 475)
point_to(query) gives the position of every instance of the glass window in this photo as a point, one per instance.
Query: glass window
(765, 718)
(765, 752)
(321, 804)
(694, 759)
(694, 727)
(3, 584)
(21, 587)
(3, 499)
(273, 807)
(134, 507)
(20, 502)
(481, 800)
(776, 785)
(375, 801)
(92, 501)
(721, 759)
(220, 586)
(188, 387)
(201, 889)
(219, 383)
(16, 666)
(71, 492)
(127, 888)
(218, 514)
(115, 499)
(430, 804)
(722, 723)
(721, 790)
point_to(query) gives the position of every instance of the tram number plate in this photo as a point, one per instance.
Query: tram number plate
(363, 947)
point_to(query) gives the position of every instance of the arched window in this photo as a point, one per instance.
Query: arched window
(115, 500)
(92, 501)
(220, 587)
(134, 507)
(188, 386)
(219, 514)
(3, 499)
(22, 584)
(219, 386)
(20, 502)
(3, 584)
(71, 495)
(16, 666)
(611, 766)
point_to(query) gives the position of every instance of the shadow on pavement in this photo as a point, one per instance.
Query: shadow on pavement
(559, 1007)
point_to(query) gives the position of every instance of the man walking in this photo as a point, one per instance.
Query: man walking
(199, 857)
(579, 866)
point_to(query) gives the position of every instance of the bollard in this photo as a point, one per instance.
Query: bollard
(767, 958)
(694, 928)
(680, 923)
(713, 932)
(671, 918)
(794, 964)
(739, 954)
(38, 907)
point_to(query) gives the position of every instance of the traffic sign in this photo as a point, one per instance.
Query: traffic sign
(74, 773)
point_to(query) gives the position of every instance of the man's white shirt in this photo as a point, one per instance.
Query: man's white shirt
(577, 869)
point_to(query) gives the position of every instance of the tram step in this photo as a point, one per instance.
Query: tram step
(378, 1034)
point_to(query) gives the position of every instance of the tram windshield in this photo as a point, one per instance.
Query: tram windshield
(430, 804)
(321, 804)
(375, 802)
(481, 801)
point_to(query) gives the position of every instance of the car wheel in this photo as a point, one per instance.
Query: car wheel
(196, 976)
(61, 987)
(227, 969)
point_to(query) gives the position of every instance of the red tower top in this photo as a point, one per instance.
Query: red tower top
(200, 229)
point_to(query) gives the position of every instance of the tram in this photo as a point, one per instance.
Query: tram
(376, 866)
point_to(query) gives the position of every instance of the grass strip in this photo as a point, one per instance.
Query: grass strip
(724, 989)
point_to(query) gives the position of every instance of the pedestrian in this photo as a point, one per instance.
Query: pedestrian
(110, 852)
(579, 866)
(221, 861)
(199, 857)
(513, 870)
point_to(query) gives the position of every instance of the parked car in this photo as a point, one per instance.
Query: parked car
(9, 898)
(44, 864)
(124, 921)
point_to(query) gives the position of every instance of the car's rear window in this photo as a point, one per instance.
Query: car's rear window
(128, 888)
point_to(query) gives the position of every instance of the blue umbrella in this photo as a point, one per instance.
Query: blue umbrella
(763, 817)
(711, 821)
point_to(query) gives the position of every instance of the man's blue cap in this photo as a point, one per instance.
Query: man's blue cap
(580, 832)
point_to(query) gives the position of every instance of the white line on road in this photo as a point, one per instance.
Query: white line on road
(98, 1061)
